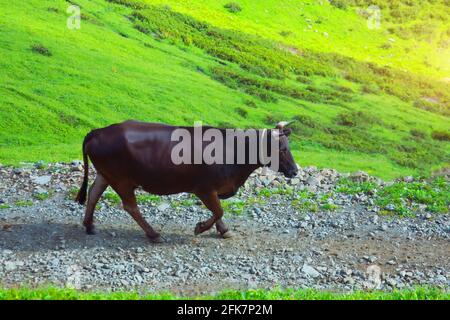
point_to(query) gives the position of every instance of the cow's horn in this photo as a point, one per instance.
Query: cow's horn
(283, 124)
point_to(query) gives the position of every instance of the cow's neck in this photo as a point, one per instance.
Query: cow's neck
(245, 170)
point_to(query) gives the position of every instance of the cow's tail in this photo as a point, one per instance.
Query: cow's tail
(82, 194)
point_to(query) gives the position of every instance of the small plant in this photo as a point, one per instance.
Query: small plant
(305, 205)
(432, 106)
(250, 103)
(23, 203)
(112, 197)
(242, 112)
(340, 4)
(40, 49)
(370, 88)
(235, 207)
(4, 206)
(42, 196)
(184, 203)
(347, 186)
(402, 198)
(441, 135)
(354, 119)
(386, 46)
(72, 193)
(134, 4)
(305, 120)
(225, 125)
(148, 198)
(264, 192)
(233, 7)
(329, 207)
(285, 33)
(418, 134)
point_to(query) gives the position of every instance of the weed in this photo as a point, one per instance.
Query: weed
(233, 7)
(40, 49)
(23, 203)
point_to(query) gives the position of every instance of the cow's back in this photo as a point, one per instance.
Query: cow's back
(139, 154)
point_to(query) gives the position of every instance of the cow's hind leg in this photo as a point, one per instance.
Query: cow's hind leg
(130, 205)
(95, 192)
(212, 202)
(222, 229)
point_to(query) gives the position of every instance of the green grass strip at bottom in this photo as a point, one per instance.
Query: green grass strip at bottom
(52, 293)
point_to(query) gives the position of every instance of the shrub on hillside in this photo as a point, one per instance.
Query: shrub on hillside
(242, 112)
(251, 103)
(354, 119)
(285, 33)
(40, 49)
(304, 120)
(134, 4)
(432, 106)
(416, 133)
(441, 135)
(340, 4)
(233, 7)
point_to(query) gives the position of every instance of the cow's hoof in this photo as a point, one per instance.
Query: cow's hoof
(228, 234)
(199, 228)
(156, 239)
(90, 230)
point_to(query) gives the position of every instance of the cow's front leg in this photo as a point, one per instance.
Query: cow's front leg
(212, 202)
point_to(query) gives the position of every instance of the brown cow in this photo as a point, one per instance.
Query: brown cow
(135, 154)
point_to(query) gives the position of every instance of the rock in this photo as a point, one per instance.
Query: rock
(163, 206)
(40, 191)
(40, 164)
(392, 282)
(310, 271)
(408, 179)
(349, 280)
(390, 207)
(12, 265)
(303, 224)
(373, 280)
(359, 176)
(313, 181)
(41, 180)
(295, 181)
(441, 278)
(370, 259)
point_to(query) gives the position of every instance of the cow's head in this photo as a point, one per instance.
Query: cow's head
(287, 164)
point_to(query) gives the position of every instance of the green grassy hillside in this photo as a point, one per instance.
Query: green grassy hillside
(365, 99)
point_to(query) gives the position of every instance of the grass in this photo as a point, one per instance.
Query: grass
(23, 203)
(357, 109)
(274, 294)
(43, 196)
(347, 186)
(113, 198)
(404, 198)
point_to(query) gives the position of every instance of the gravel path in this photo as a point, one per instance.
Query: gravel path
(42, 242)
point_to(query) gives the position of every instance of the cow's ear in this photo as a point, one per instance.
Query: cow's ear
(287, 132)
